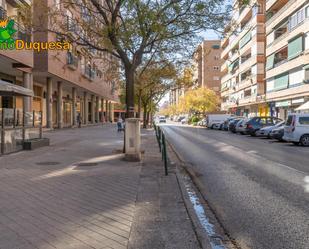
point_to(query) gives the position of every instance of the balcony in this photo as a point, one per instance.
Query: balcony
(3, 14)
(283, 39)
(72, 61)
(246, 64)
(247, 100)
(89, 73)
(288, 65)
(285, 11)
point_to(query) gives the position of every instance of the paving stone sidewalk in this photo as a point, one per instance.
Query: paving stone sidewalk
(79, 193)
(161, 219)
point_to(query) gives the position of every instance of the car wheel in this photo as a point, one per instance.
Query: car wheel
(304, 140)
(253, 134)
(212, 127)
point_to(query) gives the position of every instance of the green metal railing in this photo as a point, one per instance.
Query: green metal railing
(162, 145)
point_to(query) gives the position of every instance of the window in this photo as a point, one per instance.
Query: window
(281, 81)
(70, 21)
(296, 76)
(303, 120)
(296, 19)
(217, 57)
(295, 47)
(245, 39)
(216, 68)
(57, 4)
(270, 62)
(216, 46)
(307, 76)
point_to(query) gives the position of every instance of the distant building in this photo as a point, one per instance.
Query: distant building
(208, 63)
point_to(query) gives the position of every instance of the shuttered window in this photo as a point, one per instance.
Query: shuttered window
(281, 81)
(246, 38)
(295, 47)
(270, 61)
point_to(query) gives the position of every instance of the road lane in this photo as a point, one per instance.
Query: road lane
(256, 188)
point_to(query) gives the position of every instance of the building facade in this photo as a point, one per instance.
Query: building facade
(207, 60)
(287, 52)
(68, 85)
(243, 52)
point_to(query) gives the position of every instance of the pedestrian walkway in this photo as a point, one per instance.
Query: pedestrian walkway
(80, 193)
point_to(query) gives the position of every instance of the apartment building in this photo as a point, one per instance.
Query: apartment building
(287, 52)
(243, 52)
(208, 63)
(175, 94)
(67, 84)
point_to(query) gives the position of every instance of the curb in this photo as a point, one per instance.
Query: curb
(200, 192)
(199, 230)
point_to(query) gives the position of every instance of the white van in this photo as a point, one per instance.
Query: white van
(296, 129)
(214, 119)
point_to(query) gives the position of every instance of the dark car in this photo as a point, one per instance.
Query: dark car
(277, 133)
(226, 123)
(256, 123)
(233, 123)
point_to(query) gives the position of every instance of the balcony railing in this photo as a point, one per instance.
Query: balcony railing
(3, 13)
(89, 73)
(280, 12)
(22, 33)
(72, 60)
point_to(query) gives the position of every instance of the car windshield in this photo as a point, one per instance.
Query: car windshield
(289, 120)
(280, 124)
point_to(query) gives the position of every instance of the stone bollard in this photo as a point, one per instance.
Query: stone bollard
(133, 140)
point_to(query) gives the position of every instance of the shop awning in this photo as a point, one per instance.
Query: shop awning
(303, 107)
(9, 89)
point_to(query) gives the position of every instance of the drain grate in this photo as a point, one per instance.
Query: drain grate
(86, 164)
(47, 163)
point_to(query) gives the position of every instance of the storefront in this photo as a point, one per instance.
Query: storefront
(283, 108)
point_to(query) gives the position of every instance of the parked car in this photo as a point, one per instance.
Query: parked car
(184, 121)
(226, 123)
(233, 123)
(180, 118)
(277, 133)
(162, 119)
(256, 123)
(241, 126)
(296, 129)
(217, 126)
(213, 119)
(265, 132)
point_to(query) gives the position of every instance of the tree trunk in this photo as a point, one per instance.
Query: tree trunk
(139, 110)
(145, 117)
(129, 72)
(147, 121)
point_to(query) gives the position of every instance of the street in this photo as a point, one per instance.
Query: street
(255, 186)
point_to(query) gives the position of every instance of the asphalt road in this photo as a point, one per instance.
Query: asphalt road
(256, 186)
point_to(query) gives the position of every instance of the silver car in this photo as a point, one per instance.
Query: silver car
(241, 126)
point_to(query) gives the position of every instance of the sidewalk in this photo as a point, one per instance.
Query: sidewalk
(161, 219)
(79, 193)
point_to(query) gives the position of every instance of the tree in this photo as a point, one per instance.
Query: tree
(201, 100)
(153, 83)
(134, 31)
